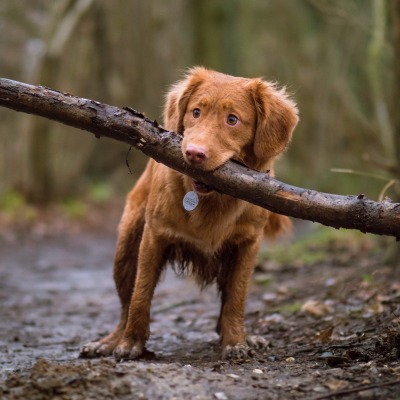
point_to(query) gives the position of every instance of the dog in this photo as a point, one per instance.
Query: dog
(217, 237)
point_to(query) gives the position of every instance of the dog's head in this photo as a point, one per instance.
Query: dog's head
(222, 117)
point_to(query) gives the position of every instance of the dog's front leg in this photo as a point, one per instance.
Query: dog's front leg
(233, 287)
(150, 263)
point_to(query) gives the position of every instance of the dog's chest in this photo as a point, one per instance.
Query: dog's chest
(207, 227)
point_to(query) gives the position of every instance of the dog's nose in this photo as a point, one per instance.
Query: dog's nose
(196, 154)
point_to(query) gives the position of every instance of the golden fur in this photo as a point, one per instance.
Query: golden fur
(220, 118)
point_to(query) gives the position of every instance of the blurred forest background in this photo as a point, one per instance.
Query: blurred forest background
(338, 58)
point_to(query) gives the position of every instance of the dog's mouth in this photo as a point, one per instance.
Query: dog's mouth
(200, 187)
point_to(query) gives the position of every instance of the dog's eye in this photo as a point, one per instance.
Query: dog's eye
(196, 113)
(232, 119)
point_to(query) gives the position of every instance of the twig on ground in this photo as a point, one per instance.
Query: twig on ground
(356, 389)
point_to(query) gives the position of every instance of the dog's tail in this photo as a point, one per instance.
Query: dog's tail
(277, 225)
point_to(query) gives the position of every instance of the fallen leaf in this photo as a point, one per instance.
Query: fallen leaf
(316, 308)
(336, 384)
(324, 336)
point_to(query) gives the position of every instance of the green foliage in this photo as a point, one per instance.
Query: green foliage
(14, 205)
(75, 208)
(11, 201)
(311, 248)
(97, 193)
(100, 192)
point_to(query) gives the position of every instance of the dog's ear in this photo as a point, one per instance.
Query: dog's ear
(171, 108)
(178, 98)
(276, 119)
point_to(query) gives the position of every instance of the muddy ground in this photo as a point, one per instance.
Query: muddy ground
(328, 306)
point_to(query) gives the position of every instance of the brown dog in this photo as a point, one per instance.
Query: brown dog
(221, 117)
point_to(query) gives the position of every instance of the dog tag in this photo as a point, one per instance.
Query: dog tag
(190, 201)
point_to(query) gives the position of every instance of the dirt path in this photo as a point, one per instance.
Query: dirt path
(333, 325)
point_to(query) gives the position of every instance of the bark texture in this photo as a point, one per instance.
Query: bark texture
(133, 128)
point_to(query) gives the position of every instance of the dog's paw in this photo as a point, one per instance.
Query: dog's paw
(96, 349)
(244, 351)
(126, 350)
(237, 352)
(257, 342)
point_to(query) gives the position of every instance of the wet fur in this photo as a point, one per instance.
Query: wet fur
(219, 240)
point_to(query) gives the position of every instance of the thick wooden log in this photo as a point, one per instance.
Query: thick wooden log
(133, 128)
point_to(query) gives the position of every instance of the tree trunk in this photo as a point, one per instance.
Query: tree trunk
(394, 250)
(65, 18)
(396, 78)
(130, 126)
(375, 56)
(216, 34)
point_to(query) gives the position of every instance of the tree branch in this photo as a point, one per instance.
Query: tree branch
(129, 126)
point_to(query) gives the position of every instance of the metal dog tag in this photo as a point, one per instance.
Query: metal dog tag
(190, 201)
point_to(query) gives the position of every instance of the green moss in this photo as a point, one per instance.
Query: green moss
(290, 308)
(367, 278)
